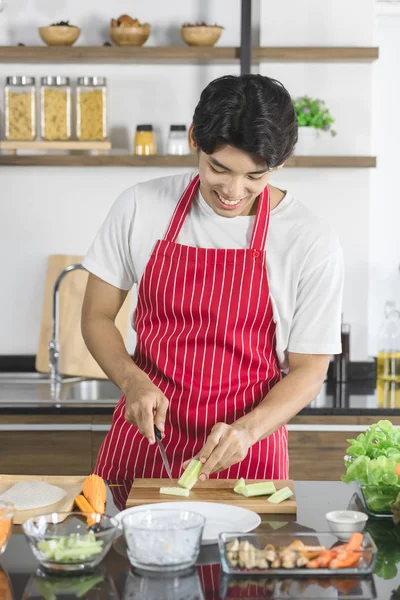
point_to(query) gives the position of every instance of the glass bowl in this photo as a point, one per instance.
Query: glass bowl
(63, 542)
(7, 511)
(378, 499)
(163, 540)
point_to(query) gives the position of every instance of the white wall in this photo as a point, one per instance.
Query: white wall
(384, 256)
(53, 210)
(341, 196)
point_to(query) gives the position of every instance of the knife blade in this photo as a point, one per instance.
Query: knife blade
(160, 445)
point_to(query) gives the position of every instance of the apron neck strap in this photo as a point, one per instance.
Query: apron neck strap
(181, 210)
(261, 221)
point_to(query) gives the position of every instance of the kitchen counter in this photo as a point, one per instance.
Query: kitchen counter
(91, 397)
(81, 414)
(314, 500)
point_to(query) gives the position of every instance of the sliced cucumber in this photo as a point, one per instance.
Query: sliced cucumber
(264, 488)
(277, 524)
(191, 474)
(240, 486)
(174, 491)
(280, 495)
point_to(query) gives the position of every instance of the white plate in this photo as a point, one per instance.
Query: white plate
(220, 518)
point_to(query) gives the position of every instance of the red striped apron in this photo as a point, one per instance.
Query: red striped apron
(206, 339)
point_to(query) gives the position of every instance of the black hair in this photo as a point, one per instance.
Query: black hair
(252, 113)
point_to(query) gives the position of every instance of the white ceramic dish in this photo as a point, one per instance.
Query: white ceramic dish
(343, 523)
(220, 518)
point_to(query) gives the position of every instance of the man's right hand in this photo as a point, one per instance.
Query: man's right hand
(145, 406)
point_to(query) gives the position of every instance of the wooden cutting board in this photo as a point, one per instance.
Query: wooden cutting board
(71, 484)
(75, 358)
(147, 491)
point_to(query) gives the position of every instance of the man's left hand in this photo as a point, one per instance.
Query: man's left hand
(225, 446)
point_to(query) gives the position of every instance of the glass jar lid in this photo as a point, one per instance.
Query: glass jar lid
(178, 128)
(55, 80)
(20, 80)
(92, 81)
(144, 128)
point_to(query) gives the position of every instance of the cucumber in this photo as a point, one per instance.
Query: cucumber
(174, 491)
(280, 495)
(191, 474)
(240, 486)
(263, 488)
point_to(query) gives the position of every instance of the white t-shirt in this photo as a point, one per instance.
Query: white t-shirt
(304, 257)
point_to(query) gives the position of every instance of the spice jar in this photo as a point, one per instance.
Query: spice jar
(55, 108)
(145, 141)
(91, 109)
(177, 140)
(20, 108)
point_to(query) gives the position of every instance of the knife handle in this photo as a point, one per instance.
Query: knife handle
(157, 433)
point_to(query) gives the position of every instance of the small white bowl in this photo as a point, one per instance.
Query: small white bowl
(345, 522)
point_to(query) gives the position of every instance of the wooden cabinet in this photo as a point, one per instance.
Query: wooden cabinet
(318, 455)
(45, 452)
(45, 445)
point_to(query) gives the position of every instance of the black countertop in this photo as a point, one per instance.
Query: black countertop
(358, 398)
(314, 500)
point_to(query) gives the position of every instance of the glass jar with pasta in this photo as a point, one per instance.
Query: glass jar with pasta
(91, 109)
(20, 108)
(55, 108)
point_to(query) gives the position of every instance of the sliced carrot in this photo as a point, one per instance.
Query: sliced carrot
(398, 469)
(312, 564)
(351, 559)
(325, 558)
(85, 507)
(5, 526)
(5, 590)
(355, 542)
(95, 492)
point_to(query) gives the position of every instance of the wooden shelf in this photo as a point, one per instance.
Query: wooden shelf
(315, 54)
(179, 54)
(12, 147)
(117, 54)
(129, 160)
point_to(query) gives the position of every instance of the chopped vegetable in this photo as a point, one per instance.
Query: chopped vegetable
(95, 492)
(5, 527)
(244, 555)
(71, 548)
(85, 507)
(280, 495)
(191, 474)
(239, 487)
(263, 488)
(174, 491)
(5, 589)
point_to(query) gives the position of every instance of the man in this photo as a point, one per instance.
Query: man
(237, 283)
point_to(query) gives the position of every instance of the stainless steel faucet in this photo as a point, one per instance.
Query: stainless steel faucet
(54, 346)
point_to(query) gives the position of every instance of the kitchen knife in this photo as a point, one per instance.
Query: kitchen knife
(157, 433)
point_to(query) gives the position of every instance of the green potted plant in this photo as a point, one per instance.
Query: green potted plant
(314, 119)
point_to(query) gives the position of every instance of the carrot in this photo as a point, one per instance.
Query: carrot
(85, 507)
(325, 558)
(5, 590)
(355, 542)
(95, 492)
(5, 526)
(351, 559)
(398, 469)
(312, 564)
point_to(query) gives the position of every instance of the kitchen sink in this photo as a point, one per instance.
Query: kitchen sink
(33, 388)
(28, 378)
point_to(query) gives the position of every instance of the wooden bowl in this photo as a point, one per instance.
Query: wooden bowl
(201, 35)
(130, 36)
(59, 35)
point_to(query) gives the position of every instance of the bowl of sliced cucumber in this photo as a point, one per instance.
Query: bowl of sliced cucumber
(70, 542)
